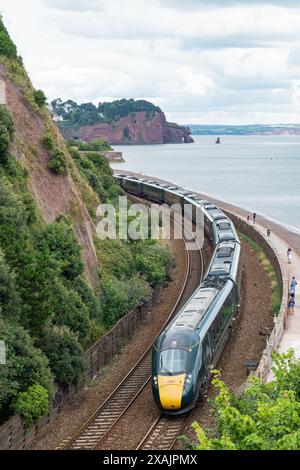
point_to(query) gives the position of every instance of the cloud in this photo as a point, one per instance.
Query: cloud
(197, 4)
(76, 5)
(199, 64)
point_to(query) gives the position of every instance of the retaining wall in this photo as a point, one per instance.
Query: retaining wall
(14, 436)
(279, 322)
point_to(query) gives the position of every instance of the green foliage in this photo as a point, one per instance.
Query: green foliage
(98, 145)
(39, 98)
(10, 303)
(58, 163)
(119, 296)
(6, 133)
(59, 241)
(75, 116)
(65, 355)
(264, 417)
(32, 404)
(269, 268)
(7, 47)
(48, 142)
(95, 168)
(26, 365)
(4, 143)
(154, 261)
(69, 310)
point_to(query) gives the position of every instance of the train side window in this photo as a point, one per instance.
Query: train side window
(207, 351)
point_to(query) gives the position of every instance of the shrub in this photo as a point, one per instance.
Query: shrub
(65, 355)
(7, 47)
(10, 303)
(58, 163)
(4, 143)
(32, 404)
(154, 261)
(58, 239)
(265, 416)
(121, 296)
(6, 120)
(39, 98)
(25, 365)
(47, 142)
(69, 310)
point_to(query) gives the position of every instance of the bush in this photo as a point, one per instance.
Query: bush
(4, 143)
(47, 142)
(39, 98)
(6, 120)
(10, 303)
(264, 417)
(59, 239)
(154, 261)
(65, 355)
(69, 310)
(58, 163)
(32, 404)
(121, 296)
(7, 47)
(25, 365)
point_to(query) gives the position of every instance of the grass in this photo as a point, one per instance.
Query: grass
(270, 270)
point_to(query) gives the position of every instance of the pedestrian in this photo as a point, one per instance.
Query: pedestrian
(248, 218)
(291, 304)
(268, 231)
(293, 285)
(289, 255)
(254, 217)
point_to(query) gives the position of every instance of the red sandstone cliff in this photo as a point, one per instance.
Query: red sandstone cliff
(136, 128)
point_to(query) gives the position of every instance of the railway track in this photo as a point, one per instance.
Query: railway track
(163, 433)
(107, 416)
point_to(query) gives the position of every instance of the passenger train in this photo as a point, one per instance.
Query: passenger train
(188, 349)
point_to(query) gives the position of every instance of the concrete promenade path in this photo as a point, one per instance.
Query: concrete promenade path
(280, 239)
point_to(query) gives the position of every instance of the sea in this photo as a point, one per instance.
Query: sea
(258, 173)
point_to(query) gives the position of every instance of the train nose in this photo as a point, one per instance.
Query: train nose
(170, 391)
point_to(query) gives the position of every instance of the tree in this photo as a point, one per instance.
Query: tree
(25, 364)
(264, 417)
(65, 355)
(32, 404)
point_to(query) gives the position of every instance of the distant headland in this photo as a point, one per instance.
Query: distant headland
(249, 129)
(121, 122)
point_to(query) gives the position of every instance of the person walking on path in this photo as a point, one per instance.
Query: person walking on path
(268, 231)
(293, 285)
(289, 255)
(291, 305)
(248, 218)
(254, 217)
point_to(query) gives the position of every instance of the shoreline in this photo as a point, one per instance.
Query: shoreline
(288, 233)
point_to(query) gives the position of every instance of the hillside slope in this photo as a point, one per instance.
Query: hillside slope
(61, 287)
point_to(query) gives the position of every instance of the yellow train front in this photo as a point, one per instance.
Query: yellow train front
(178, 374)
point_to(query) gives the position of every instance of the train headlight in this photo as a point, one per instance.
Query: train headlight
(155, 381)
(188, 379)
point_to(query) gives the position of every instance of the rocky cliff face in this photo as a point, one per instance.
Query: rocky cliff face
(54, 194)
(136, 128)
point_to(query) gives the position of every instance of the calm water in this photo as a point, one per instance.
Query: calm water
(259, 173)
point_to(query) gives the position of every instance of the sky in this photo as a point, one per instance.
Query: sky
(202, 62)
